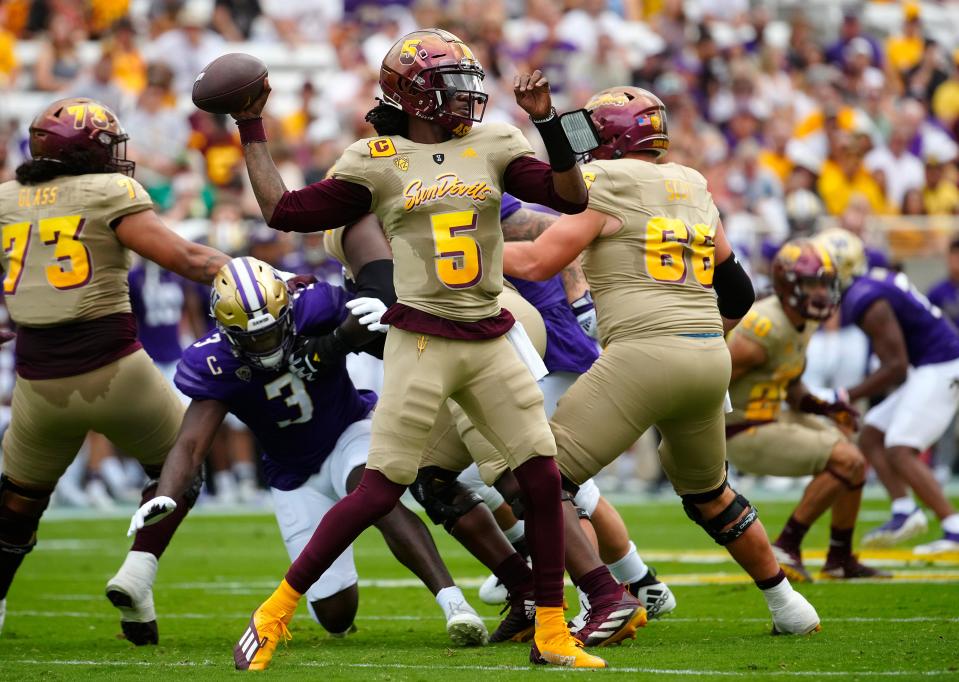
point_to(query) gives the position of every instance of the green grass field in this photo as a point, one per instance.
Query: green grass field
(59, 626)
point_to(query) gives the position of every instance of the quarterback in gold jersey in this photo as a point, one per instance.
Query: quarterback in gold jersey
(68, 223)
(435, 184)
(768, 351)
(666, 284)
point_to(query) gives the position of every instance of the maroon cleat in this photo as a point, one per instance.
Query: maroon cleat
(791, 562)
(520, 621)
(610, 622)
(849, 568)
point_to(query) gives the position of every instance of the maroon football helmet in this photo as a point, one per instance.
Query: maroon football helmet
(627, 120)
(79, 124)
(805, 279)
(433, 75)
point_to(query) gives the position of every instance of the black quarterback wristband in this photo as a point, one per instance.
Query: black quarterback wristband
(561, 156)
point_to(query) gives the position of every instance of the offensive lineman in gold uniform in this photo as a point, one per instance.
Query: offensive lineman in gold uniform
(67, 223)
(666, 284)
(768, 351)
(435, 185)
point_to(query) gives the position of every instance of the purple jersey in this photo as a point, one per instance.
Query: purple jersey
(156, 296)
(568, 349)
(929, 337)
(297, 423)
(945, 295)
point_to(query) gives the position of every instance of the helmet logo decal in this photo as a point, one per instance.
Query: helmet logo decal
(408, 51)
(614, 98)
(98, 117)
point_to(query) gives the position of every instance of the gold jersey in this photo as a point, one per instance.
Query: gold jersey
(757, 396)
(439, 206)
(654, 276)
(62, 261)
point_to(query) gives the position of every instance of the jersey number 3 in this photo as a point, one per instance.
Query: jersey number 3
(459, 261)
(667, 240)
(72, 267)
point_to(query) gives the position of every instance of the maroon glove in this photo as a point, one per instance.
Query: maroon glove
(839, 410)
(6, 335)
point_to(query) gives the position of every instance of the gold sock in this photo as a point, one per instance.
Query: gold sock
(285, 598)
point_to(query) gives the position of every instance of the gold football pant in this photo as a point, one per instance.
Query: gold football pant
(485, 378)
(128, 401)
(795, 445)
(675, 383)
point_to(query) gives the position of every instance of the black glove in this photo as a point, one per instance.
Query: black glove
(314, 356)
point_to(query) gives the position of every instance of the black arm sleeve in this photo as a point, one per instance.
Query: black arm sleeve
(733, 289)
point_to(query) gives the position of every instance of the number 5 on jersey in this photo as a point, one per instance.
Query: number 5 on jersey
(459, 261)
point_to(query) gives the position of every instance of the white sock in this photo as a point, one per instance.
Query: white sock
(630, 568)
(449, 597)
(950, 524)
(244, 471)
(776, 596)
(225, 482)
(113, 474)
(516, 533)
(904, 505)
(583, 600)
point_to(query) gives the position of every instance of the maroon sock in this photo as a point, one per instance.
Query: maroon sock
(792, 534)
(771, 582)
(840, 543)
(599, 585)
(374, 497)
(515, 575)
(540, 482)
(154, 539)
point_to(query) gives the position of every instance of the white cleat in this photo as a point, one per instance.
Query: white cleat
(3, 613)
(941, 546)
(493, 592)
(795, 616)
(655, 595)
(465, 627)
(131, 591)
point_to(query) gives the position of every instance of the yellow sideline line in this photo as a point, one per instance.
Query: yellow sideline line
(719, 556)
(693, 579)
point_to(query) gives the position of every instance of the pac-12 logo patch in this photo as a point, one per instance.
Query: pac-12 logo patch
(439, 158)
(381, 147)
(402, 163)
(244, 373)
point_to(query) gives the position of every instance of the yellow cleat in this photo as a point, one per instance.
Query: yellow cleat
(554, 645)
(267, 627)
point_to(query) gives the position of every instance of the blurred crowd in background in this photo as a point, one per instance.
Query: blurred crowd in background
(801, 114)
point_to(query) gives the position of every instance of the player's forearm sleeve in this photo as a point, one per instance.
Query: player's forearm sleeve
(529, 179)
(734, 289)
(324, 205)
(374, 280)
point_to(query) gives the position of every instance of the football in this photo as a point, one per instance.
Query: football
(229, 83)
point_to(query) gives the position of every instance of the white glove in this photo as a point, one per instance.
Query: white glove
(369, 310)
(155, 510)
(284, 275)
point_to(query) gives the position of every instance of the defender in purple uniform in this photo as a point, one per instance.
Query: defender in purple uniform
(315, 435)
(918, 351)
